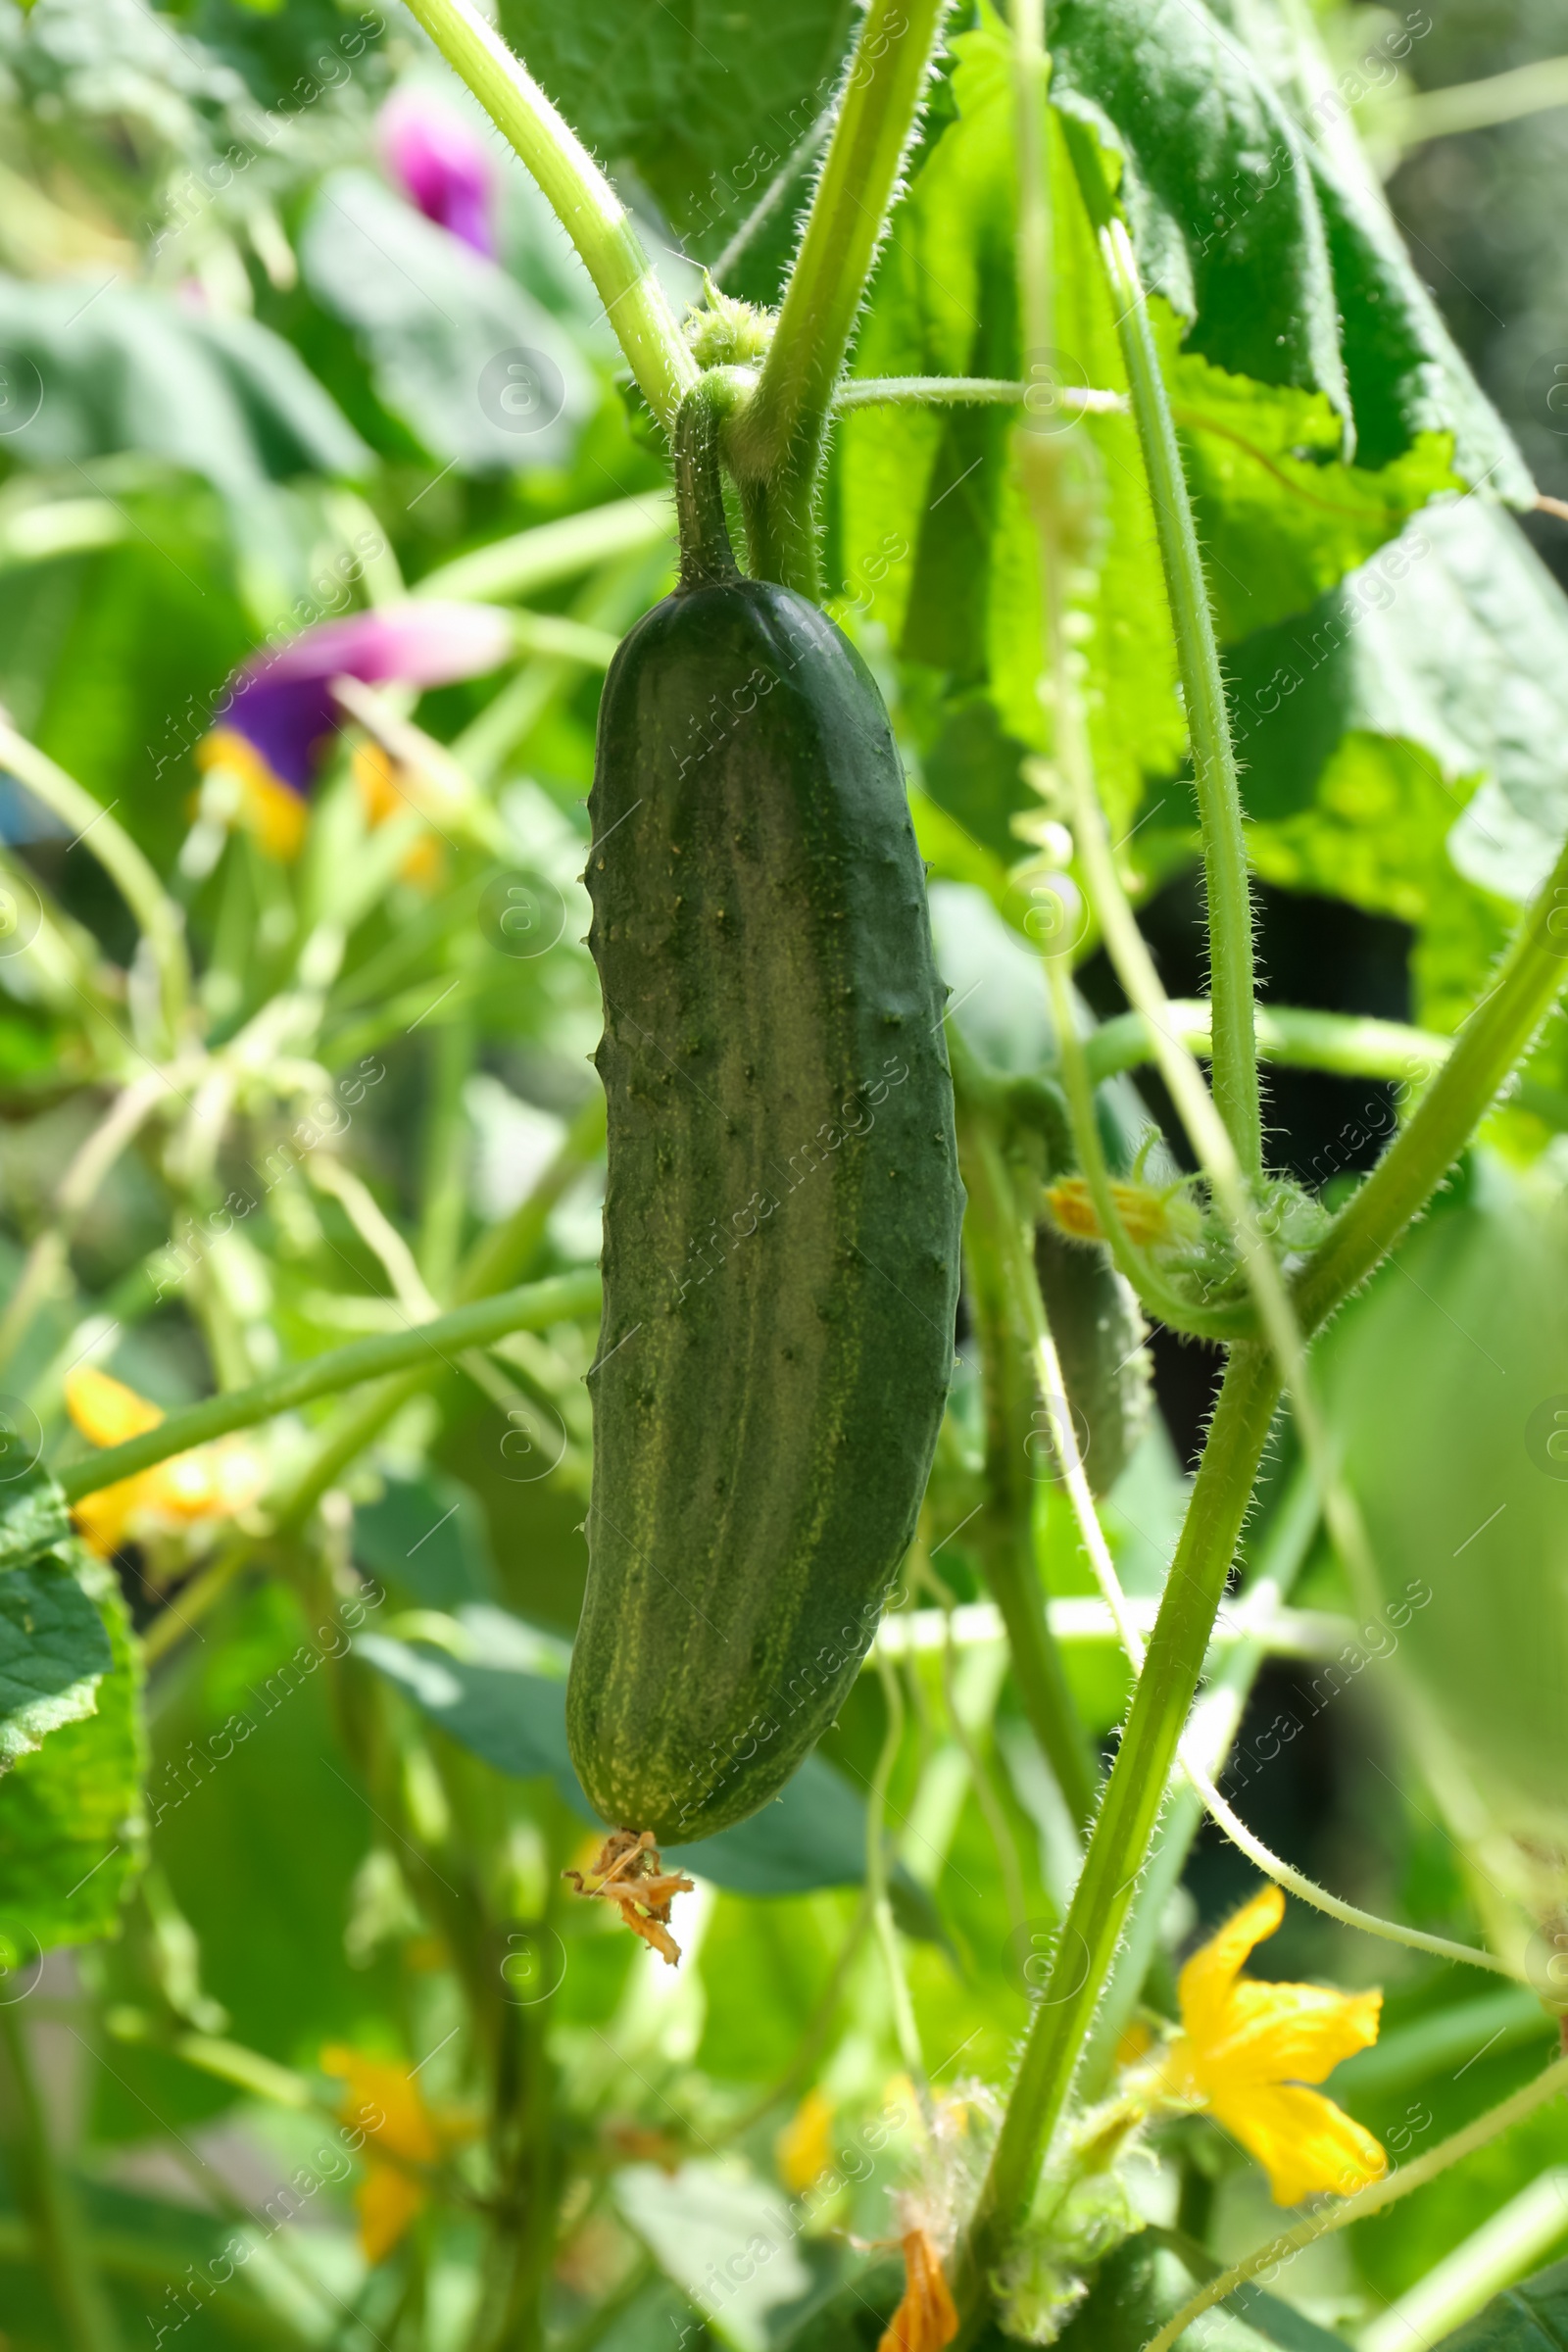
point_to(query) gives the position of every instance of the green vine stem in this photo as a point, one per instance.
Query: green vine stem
(1483, 1055)
(1006, 1521)
(1219, 799)
(158, 918)
(1081, 1965)
(1300, 1038)
(552, 552)
(585, 203)
(777, 445)
(1279, 1559)
(1550, 2084)
(945, 391)
(564, 1297)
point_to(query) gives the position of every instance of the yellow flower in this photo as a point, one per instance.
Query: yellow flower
(805, 2146)
(211, 1481)
(382, 2099)
(389, 789)
(1246, 2048)
(265, 809)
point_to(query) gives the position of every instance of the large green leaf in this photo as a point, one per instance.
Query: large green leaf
(1289, 274)
(1366, 727)
(124, 369)
(705, 100)
(935, 538)
(71, 1824)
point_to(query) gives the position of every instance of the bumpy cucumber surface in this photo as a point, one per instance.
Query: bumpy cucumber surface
(782, 1210)
(1100, 1333)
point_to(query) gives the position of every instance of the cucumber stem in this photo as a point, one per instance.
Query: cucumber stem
(779, 444)
(706, 557)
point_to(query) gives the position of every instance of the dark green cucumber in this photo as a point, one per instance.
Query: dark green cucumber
(1100, 1333)
(782, 1208)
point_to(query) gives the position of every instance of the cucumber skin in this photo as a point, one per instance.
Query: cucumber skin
(1100, 1334)
(782, 1208)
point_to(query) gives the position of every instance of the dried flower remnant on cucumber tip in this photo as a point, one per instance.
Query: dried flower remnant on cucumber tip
(631, 1875)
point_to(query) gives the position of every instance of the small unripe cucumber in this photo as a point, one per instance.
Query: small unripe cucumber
(782, 1208)
(1100, 1333)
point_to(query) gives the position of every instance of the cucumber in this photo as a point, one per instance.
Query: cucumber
(1099, 1330)
(782, 1206)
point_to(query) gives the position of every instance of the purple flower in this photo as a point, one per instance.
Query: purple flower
(281, 712)
(439, 163)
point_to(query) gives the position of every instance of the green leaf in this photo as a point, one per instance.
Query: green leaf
(124, 369)
(1288, 276)
(696, 2221)
(1403, 741)
(437, 323)
(33, 1518)
(70, 1823)
(427, 1537)
(54, 1653)
(1532, 2317)
(706, 102)
(515, 1718)
(1281, 517)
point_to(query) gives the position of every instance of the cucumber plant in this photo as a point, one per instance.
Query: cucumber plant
(1074, 488)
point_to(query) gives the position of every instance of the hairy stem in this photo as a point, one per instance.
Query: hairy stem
(1350, 1045)
(585, 203)
(1082, 1963)
(777, 445)
(1219, 799)
(563, 1299)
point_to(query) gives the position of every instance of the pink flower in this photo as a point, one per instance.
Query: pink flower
(439, 163)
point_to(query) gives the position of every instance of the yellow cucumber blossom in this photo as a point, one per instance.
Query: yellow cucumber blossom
(1247, 2049)
(211, 1482)
(1154, 1219)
